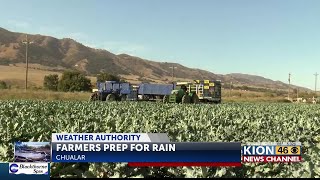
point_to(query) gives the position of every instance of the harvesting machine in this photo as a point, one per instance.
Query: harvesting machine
(180, 92)
(181, 95)
(195, 92)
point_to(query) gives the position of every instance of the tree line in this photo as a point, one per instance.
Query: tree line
(72, 81)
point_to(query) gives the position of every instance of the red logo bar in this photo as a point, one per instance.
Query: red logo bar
(177, 164)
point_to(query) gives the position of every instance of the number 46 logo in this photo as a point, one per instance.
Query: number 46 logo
(288, 150)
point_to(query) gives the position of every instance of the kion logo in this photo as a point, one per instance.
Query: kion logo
(14, 168)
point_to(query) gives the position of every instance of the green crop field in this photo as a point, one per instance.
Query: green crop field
(229, 122)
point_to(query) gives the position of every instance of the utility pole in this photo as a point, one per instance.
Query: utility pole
(173, 67)
(230, 89)
(315, 83)
(27, 42)
(289, 86)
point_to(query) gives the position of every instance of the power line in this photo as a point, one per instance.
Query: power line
(289, 86)
(230, 88)
(27, 42)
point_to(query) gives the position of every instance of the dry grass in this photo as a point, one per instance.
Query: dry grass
(248, 96)
(15, 76)
(241, 93)
(256, 99)
(15, 94)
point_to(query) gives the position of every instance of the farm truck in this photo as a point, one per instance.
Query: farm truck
(111, 91)
(154, 92)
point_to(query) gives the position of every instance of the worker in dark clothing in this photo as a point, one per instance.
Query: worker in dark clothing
(182, 91)
(184, 88)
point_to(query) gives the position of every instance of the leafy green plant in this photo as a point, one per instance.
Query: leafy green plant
(230, 122)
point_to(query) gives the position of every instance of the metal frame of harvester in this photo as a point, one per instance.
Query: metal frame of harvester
(197, 91)
(207, 91)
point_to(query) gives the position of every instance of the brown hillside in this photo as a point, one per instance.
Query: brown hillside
(52, 53)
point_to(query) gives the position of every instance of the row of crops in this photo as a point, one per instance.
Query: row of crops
(36, 120)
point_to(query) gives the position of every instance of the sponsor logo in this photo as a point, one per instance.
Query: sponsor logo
(29, 168)
(14, 168)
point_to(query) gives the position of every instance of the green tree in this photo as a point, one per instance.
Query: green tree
(51, 82)
(74, 81)
(107, 77)
(3, 85)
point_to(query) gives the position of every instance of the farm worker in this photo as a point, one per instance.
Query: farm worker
(184, 88)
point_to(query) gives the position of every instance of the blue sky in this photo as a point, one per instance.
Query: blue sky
(267, 37)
